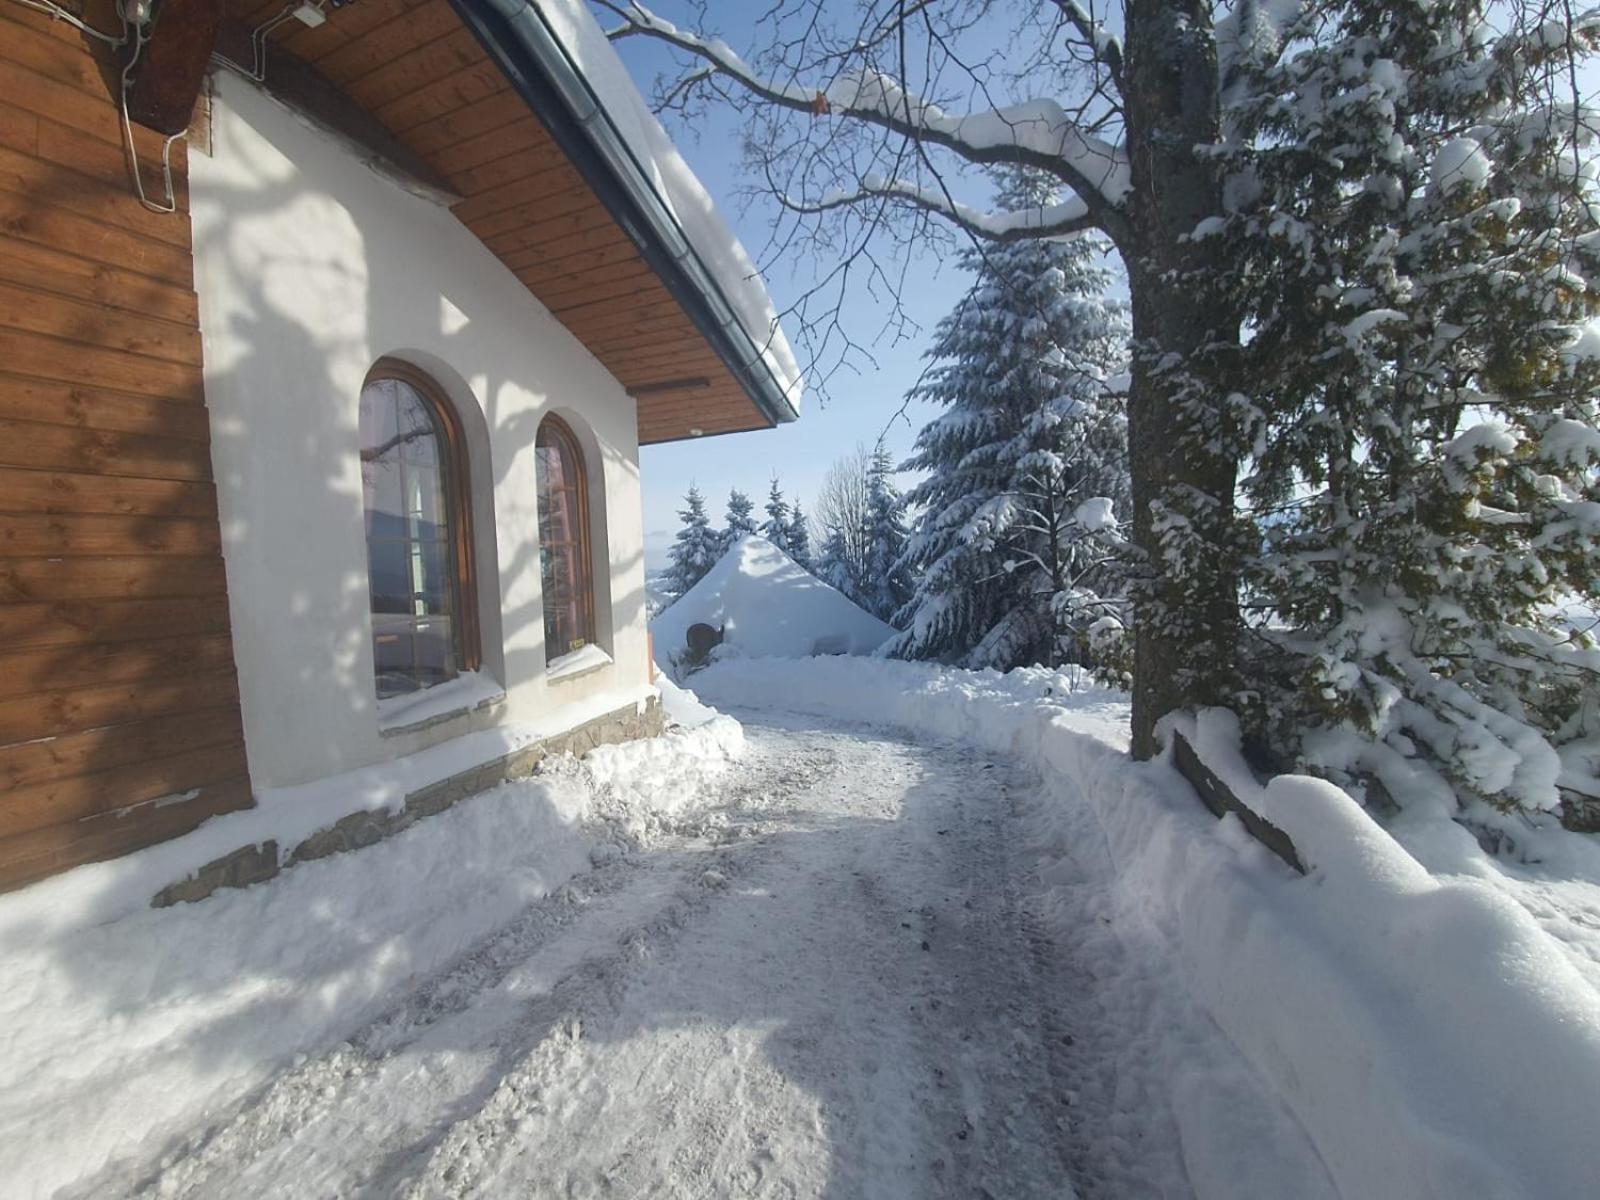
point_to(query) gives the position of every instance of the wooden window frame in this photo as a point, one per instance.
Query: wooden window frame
(455, 463)
(563, 432)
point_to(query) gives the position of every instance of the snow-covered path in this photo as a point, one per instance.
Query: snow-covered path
(835, 984)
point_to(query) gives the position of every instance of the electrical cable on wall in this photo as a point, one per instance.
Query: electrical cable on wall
(308, 12)
(135, 16)
(61, 14)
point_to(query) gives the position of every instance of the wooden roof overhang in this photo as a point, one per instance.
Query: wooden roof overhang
(459, 96)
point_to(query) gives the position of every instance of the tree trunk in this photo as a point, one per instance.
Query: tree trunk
(1184, 331)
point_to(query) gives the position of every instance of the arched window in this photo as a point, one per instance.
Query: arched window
(419, 545)
(564, 541)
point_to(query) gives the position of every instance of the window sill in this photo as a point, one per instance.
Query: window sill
(466, 693)
(579, 662)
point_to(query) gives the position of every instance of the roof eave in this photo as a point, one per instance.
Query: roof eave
(517, 37)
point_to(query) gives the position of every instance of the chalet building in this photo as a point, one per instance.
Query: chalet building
(334, 463)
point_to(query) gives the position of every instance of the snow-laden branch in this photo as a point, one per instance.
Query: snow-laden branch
(1252, 36)
(1107, 50)
(1037, 133)
(1066, 219)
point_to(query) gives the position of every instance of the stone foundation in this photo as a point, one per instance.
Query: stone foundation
(255, 864)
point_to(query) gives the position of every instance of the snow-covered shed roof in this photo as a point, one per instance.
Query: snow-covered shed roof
(555, 50)
(768, 606)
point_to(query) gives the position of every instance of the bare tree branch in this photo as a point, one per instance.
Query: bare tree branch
(1107, 50)
(1058, 220)
(1038, 134)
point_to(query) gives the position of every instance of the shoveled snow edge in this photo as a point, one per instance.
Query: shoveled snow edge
(1431, 1039)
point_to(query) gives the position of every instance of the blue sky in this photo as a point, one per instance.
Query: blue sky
(861, 407)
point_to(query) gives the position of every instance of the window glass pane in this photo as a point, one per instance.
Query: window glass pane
(393, 655)
(411, 560)
(435, 649)
(425, 502)
(563, 557)
(549, 467)
(435, 578)
(417, 430)
(380, 465)
(389, 575)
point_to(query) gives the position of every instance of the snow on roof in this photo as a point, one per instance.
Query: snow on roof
(768, 606)
(676, 186)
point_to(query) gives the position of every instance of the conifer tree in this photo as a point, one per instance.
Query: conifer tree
(1421, 267)
(776, 527)
(1027, 468)
(697, 546)
(799, 536)
(885, 585)
(740, 518)
(834, 566)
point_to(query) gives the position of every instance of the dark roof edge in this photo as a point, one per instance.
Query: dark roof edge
(517, 37)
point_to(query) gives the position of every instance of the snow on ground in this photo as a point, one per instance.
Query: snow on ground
(1432, 1038)
(1553, 874)
(104, 892)
(842, 981)
(117, 1035)
(940, 938)
(767, 605)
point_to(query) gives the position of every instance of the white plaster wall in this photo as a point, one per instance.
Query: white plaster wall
(309, 268)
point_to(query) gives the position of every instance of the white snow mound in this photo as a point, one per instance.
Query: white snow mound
(768, 606)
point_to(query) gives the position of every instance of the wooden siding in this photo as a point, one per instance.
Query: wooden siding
(117, 684)
(412, 64)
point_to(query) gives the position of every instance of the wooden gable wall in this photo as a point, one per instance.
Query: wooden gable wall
(117, 684)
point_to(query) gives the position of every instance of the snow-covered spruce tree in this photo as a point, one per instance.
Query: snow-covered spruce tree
(799, 536)
(697, 546)
(740, 518)
(1012, 544)
(1423, 253)
(776, 527)
(885, 586)
(890, 84)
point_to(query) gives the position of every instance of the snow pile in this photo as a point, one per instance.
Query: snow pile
(1431, 1038)
(682, 706)
(115, 1034)
(97, 893)
(766, 604)
(1552, 873)
(676, 185)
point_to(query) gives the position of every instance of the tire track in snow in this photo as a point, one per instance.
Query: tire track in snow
(270, 1142)
(842, 982)
(878, 1036)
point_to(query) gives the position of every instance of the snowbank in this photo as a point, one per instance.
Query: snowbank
(767, 604)
(682, 706)
(114, 1036)
(1432, 1040)
(97, 893)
